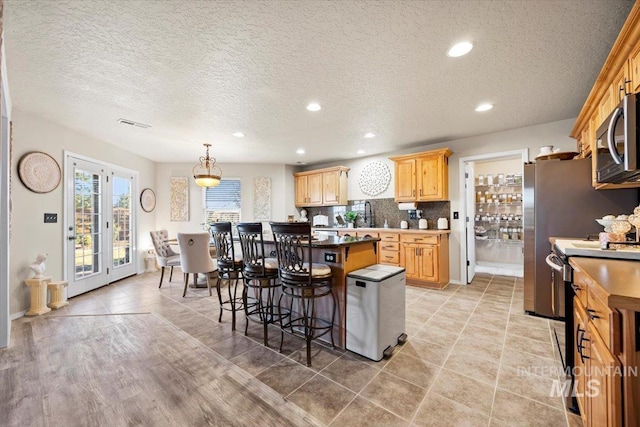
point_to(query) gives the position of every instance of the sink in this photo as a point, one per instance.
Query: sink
(586, 244)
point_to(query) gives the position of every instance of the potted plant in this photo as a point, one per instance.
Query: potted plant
(350, 217)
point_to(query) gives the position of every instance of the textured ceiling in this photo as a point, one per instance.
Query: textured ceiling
(197, 71)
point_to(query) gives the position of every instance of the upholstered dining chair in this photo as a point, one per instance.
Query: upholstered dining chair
(165, 256)
(195, 258)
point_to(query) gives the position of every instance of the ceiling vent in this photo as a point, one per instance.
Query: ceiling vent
(132, 123)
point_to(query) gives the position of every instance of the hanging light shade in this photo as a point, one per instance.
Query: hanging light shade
(206, 173)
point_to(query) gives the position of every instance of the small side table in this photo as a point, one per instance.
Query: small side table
(38, 295)
(57, 294)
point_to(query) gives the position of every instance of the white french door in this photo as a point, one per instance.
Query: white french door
(100, 219)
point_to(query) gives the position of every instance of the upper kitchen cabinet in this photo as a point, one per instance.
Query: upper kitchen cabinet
(422, 177)
(322, 187)
(620, 74)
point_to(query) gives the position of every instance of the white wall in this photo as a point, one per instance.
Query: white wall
(282, 194)
(531, 138)
(30, 235)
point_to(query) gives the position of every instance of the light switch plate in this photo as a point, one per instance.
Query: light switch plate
(50, 217)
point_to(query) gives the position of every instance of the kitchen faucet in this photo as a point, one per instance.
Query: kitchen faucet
(370, 217)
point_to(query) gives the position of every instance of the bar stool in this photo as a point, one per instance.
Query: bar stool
(303, 283)
(229, 269)
(260, 279)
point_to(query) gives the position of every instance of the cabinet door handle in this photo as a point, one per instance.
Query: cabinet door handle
(592, 316)
(421, 192)
(575, 287)
(413, 192)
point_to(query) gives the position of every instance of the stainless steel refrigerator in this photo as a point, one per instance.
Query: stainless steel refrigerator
(559, 201)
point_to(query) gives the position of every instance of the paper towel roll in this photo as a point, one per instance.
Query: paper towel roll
(407, 206)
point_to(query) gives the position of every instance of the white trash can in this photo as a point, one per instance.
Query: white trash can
(375, 310)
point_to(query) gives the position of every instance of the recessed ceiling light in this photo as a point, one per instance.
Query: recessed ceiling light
(238, 134)
(314, 107)
(484, 107)
(300, 151)
(360, 152)
(369, 135)
(460, 49)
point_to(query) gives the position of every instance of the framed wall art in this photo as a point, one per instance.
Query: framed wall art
(179, 198)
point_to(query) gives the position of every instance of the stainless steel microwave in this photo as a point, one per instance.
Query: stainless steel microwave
(617, 147)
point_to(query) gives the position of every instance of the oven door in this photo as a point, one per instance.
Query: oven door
(558, 273)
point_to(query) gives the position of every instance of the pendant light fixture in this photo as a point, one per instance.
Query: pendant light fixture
(206, 173)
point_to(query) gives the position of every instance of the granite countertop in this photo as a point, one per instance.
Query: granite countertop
(384, 230)
(620, 279)
(334, 241)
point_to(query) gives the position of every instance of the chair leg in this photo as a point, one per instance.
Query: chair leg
(281, 324)
(170, 273)
(162, 276)
(219, 294)
(232, 300)
(245, 302)
(208, 284)
(186, 283)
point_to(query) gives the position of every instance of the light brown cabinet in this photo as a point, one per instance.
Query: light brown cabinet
(425, 259)
(322, 187)
(620, 73)
(422, 177)
(598, 332)
(389, 249)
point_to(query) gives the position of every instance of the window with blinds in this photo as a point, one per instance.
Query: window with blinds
(222, 203)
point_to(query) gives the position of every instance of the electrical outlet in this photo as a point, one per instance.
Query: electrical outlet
(50, 217)
(331, 257)
(456, 215)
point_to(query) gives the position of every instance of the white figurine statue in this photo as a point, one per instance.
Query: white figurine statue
(38, 265)
(303, 215)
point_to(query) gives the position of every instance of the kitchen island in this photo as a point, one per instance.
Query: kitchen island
(343, 254)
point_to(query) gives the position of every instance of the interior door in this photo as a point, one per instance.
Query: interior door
(86, 226)
(470, 201)
(100, 224)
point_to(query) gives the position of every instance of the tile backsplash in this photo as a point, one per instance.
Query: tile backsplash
(383, 209)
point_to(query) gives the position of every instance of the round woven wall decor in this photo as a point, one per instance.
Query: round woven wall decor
(39, 172)
(374, 178)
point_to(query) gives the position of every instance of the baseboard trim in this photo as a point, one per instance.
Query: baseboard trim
(18, 315)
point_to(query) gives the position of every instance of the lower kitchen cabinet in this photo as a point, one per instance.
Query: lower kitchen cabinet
(389, 249)
(606, 350)
(425, 259)
(598, 380)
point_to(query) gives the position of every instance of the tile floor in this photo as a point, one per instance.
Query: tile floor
(461, 366)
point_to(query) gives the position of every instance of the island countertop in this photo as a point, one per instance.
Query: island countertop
(619, 279)
(383, 230)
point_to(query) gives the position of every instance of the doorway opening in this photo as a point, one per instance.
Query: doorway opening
(492, 209)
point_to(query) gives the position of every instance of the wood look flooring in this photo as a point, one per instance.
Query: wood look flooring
(132, 354)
